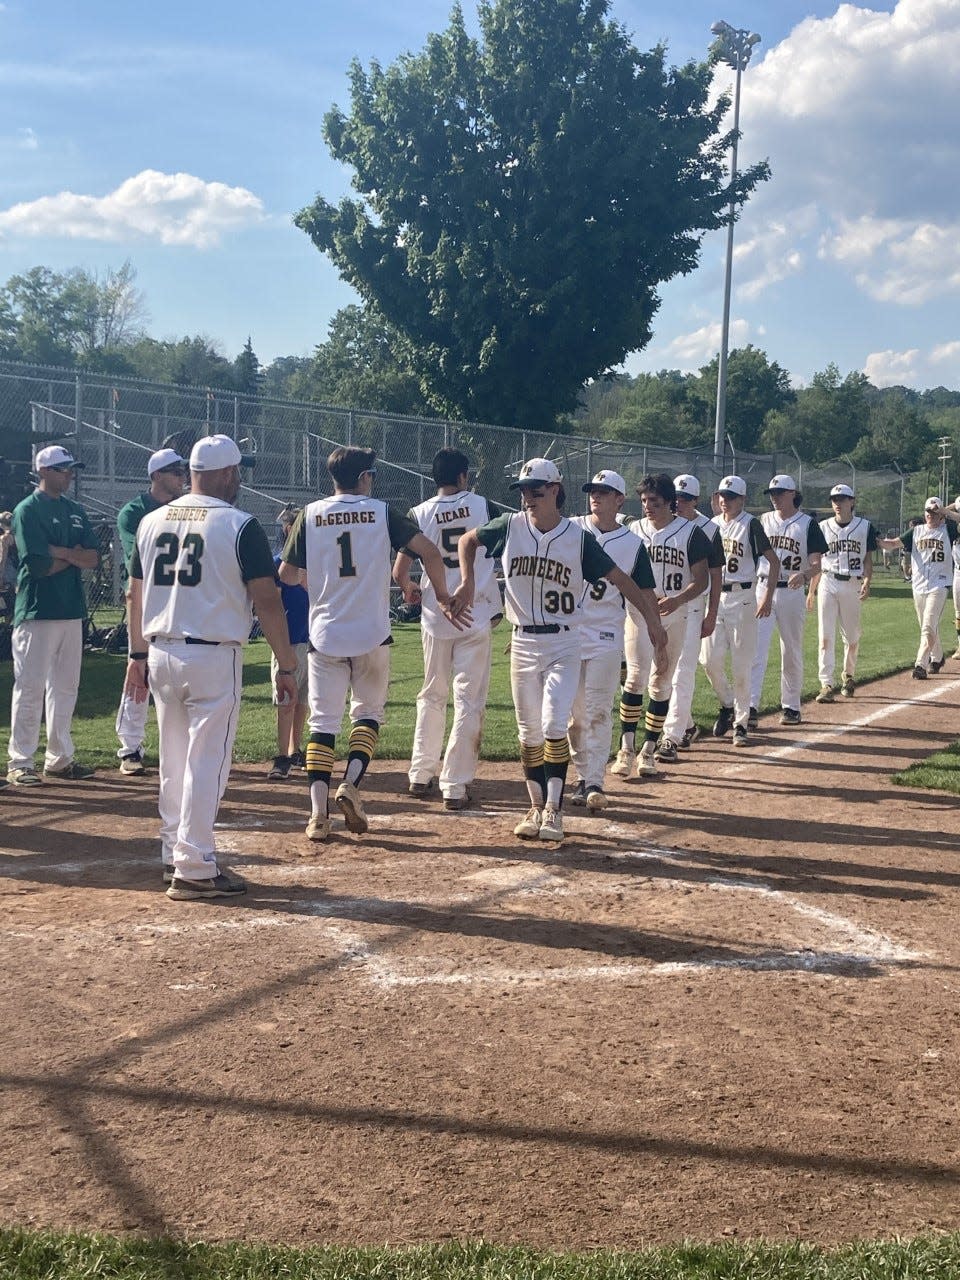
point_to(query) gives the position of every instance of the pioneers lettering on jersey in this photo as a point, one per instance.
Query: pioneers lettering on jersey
(444, 519)
(741, 546)
(539, 567)
(931, 561)
(672, 551)
(847, 545)
(793, 539)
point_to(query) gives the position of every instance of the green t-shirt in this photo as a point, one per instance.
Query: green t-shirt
(128, 522)
(40, 522)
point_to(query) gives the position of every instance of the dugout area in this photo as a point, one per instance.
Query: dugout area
(725, 1007)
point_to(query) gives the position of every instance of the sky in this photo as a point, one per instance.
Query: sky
(184, 136)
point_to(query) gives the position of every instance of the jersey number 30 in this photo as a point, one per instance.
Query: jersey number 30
(168, 553)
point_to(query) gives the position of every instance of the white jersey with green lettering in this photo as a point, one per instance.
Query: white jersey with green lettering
(444, 519)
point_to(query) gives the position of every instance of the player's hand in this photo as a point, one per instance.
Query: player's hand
(286, 690)
(135, 684)
(796, 581)
(412, 593)
(667, 605)
(765, 606)
(811, 602)
(864, 589)
(457, 612)
(708, 626)
(658, 638)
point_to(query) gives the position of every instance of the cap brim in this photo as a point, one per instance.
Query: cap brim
(247, 460)
(528, 484)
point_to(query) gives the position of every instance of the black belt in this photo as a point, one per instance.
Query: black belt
(550, 629)
(737, 586)
(194, 640)
(183, 640)
(779, 584)
(840, 577)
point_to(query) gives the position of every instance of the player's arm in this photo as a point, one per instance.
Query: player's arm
(454, 607)
(135, 681)
(73, 557)
(644, 600)
(293, 558)
(761, 548)
(890, 544)
(491, 538)
(401, 576)
(265, 597)
(872, 544)
(697, 551)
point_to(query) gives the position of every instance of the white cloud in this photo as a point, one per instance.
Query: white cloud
(915, 367)
(172, 208)
(698, 348)
(898, 260)
(26, 138)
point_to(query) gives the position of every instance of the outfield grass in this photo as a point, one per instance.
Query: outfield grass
(889, 644)
(51, 1256)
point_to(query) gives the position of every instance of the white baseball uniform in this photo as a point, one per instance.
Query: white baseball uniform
(931, 562)
(601, 640)
(462, 657)
(195, 556)
(131, 724)
(685, 675)
(956, 587)
(838, 596)
(793, 539)
(744, 542)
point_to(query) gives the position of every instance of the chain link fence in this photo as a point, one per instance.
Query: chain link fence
(114, 424)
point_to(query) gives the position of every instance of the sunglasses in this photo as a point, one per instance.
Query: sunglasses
(60, 469)
(602, 491)
(175, 469)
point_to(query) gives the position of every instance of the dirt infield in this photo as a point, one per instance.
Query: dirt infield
(726, 1006)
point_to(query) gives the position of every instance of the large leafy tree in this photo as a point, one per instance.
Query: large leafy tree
(521, 198)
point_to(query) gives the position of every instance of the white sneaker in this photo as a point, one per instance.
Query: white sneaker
(596, 800)
(349, 802)
(529, 827)
(646, 764)
(625, 762)
(318, 828)
(551, 824)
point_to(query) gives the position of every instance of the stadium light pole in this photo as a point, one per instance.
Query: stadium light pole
(733, 46)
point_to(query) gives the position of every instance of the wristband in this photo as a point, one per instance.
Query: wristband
(137, 657)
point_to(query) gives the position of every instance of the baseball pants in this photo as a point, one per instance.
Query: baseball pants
(131, 724)
(735, 635)
(464, 660)
(679, 716)
(956, 600)
(544, 674)
(929, 606)
(367, 677)
(838, 602)
(46, 676)
(591, 723)
(638, 650)
(788, 615)
(196, 689)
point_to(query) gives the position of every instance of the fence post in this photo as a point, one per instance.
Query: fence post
(350, 427)
(77, 416)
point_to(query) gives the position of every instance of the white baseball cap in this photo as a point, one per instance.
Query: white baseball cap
(841, 491)
(539, 471)
(686, 486)
(933, 504)
(607, 480)
(55, 455)
(214, 453)
(163, 458)
(782, 482)
(733, 485)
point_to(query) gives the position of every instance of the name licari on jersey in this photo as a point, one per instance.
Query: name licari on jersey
(188, 554)
(444, 520)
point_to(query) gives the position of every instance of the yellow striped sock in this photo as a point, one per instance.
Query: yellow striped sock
(556, 751)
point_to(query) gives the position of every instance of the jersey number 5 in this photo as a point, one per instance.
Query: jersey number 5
(169, 547)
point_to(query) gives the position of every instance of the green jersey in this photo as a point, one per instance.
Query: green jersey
(40, 522)
(128, 522)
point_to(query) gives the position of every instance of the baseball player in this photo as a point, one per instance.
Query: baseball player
(292, 716)
(956, 580)
(198, 566)
(798, 541)
(55, 541)
(930, 547)
(679, 730)
(601, 637)
(449, 653)
(167, 473)
(745, 543)
(340, 549)
(678, 551)
(547, 560)
(841, 588)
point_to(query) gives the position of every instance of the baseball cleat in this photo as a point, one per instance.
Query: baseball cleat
(826, 693)
(739, 736)
(318, 828)
(596, 799)
(281, 767)
(551, 824)
(666, 751)
(578, 796)
(298, 760)
(847, 687)
(420, 789)
(625, 763)
(71, 772)
(453, 804)
(528, 828)
(131, 766)
(221, 886)
(349, 802)
(753, 719)
(937, 667)
(26, 777)
(646, 764)
(689, 737)
(789, 716)
(168, 873)
(723, 722)
(919, 673)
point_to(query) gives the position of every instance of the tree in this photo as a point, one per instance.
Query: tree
(247, 374)
(522, 197)
(756, 386)
(826, 420)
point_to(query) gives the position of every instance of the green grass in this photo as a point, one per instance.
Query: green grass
(889, 644)
(51, 1256)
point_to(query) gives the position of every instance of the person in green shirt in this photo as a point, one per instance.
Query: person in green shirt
(55, 542)
(168, 474)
